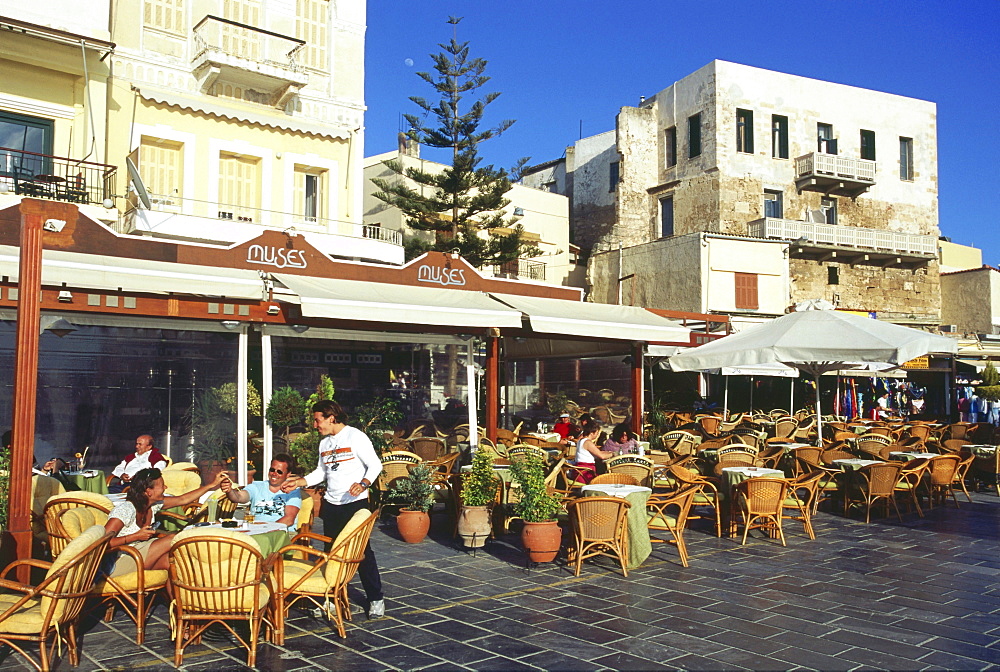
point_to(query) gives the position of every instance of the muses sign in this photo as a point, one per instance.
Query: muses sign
(279, 257)
(438, 275)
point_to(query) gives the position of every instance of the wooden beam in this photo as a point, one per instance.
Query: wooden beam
(492, 386)
(638, 355)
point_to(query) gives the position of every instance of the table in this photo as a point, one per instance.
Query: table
(731, 477)
(551, 437)
(639, 546)
(855, 463)
(91, 480)
(271, 537)
(982, 449)
(904, 456)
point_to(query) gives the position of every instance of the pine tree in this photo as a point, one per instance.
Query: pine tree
(463, 204)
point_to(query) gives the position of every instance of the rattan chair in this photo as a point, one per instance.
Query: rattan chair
(680, 442)
(709, 424)
(669, 512)
(182, 466)
(734, 458)
(216, 576)
(784, 427)
(803, 492)
(940, 480)
(58, 537)
(872, 484)
(428, 448)
(528, 449)
(760, 501)
(635, 465)
(320, 577)
(395, 464)
(599, 528)
(962, 472)
(48, 614)
(618, 479)
(707, 496)
(911, 476)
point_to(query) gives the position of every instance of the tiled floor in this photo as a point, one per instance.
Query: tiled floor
(924, 594)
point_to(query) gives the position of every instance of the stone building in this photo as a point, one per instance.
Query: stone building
(845, 178)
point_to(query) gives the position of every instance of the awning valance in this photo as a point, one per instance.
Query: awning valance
(94, 271)
(379, 302)
(594, 320)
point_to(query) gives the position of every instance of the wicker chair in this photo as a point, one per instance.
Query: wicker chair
(911, 476)
(506, 437)
(963, 471)
(805, 429)
(876, 445)
(750, 437)
(395, 464)
(527, 449)
(801, 500)
(941, 472)
(785, 427)
(599, 528)
(660, 517)
(320, 577)
(707, 496)
(614, 479)
(58, 537)
(216, 576)
(760, 501)
(641, 468)
(182, 466)
(135, 591)
(48, 614)
(734, 458)
(873, 484)
(709, 424)
(771, 456)
(43, 488)
(831, 454)
(680, 442)
(427, 447)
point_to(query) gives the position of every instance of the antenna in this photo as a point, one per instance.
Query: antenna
(137, 185)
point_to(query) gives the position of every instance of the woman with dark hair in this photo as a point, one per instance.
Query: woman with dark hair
(132, 521)
(587, 452)
(621, 441)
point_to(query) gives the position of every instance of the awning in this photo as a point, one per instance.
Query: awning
(94, 271)
(379, 302)
(594, 320)
(280, 120)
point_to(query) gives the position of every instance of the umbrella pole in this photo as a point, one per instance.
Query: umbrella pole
(751, 394)
(819, 417)
(725, 400)
(791, 396)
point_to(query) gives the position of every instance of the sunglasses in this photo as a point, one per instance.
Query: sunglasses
(272, 470)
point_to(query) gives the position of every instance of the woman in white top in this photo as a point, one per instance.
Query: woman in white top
(132, 520)
(587, 453)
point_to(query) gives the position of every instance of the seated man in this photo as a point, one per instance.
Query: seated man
(266, 500)
(145, 456)
(562, 425)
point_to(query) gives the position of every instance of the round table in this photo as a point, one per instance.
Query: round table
(271, 537)
(639, 546)
(91, 480)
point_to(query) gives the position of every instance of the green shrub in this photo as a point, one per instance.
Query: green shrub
(536, 505)
(479, 485)
(416, 491)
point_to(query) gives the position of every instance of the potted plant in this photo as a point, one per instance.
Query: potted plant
(285, 410)
(479, 491)
(415, 493)
(539, 509)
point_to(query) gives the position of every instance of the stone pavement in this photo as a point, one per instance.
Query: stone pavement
(924, 594)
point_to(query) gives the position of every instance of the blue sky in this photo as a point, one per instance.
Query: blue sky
(562, 65)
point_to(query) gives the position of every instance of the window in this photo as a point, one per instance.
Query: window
(160, 167)
(832, 275)
(309, 190)
(829, 208)
(670, 146)
(667, 217)
(694, 135)
(238, 41)
(906, 158)
(239, 187)
(825, 141)
(746, 291)
(868, 145)
(744, 131)
(779, 136)
(310, 25)
(29, 134)
(772, 203)
(164, 14)
(614, 175)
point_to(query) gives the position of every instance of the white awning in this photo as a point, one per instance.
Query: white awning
(380, 302)
(595, 320)
(95, 271)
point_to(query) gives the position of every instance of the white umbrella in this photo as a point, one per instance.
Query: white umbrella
(815, 341)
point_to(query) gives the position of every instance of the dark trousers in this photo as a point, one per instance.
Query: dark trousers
(335, 517)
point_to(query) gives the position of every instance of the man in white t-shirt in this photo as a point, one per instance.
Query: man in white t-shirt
(146, 456)
(266, 500)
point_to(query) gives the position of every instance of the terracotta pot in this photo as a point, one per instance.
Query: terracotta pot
(541, 540)
(474, 525)
(413, 525)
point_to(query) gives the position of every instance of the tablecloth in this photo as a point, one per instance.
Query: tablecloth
(639, 546)
(85, 481)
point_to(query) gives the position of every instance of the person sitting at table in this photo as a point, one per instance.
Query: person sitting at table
(621, 441)
(267, 501)
(587, 453)
(562, 425)
(56, 468)
(132, 520)
(144, 457)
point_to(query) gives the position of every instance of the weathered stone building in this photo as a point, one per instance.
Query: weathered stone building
(845, 177)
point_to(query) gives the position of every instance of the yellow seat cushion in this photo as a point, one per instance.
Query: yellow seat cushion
(294, 570)
(75, 521)
(656, 522)
(223, 572)
(154, 578)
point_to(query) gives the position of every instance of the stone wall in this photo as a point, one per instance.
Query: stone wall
(666, 274)
(971, 300)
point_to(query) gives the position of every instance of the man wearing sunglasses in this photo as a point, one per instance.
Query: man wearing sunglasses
(266, 500)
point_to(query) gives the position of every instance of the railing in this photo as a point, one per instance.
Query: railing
(816, 163)
(385, 235)
(215, 34)
(56, 177)
(843, 236)
(521, 268)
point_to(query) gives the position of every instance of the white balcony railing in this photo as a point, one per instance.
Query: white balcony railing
(248, 43)
(843, 236)
(832, 165)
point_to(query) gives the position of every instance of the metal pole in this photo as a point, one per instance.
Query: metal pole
(242, 403)
(267, 389)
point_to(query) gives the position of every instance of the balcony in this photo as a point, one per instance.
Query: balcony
(59, 178)
(834, 175)
(209, 222)
(528, 269)
(247, 57)
(847, 244)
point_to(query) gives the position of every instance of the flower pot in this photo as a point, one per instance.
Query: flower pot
(542, 540)
(474, 525)
(413, 525)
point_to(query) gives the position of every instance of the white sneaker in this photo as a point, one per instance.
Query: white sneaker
(326, 611)
(376, 609)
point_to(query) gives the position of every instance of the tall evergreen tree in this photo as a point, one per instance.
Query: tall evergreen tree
(462, 204)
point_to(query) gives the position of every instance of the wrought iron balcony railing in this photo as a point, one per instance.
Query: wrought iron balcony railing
(56, 177)
(521, 268)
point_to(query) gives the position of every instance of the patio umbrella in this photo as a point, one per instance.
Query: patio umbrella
(814, 342)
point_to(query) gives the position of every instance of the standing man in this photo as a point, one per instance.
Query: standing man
(145, 457)
(267, 501)
(348, 464)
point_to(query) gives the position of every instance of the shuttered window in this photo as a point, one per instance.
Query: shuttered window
(160, 166)
(746, 291)
(310, 25)
(238, 41)
(164, 14)
(239, 187)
